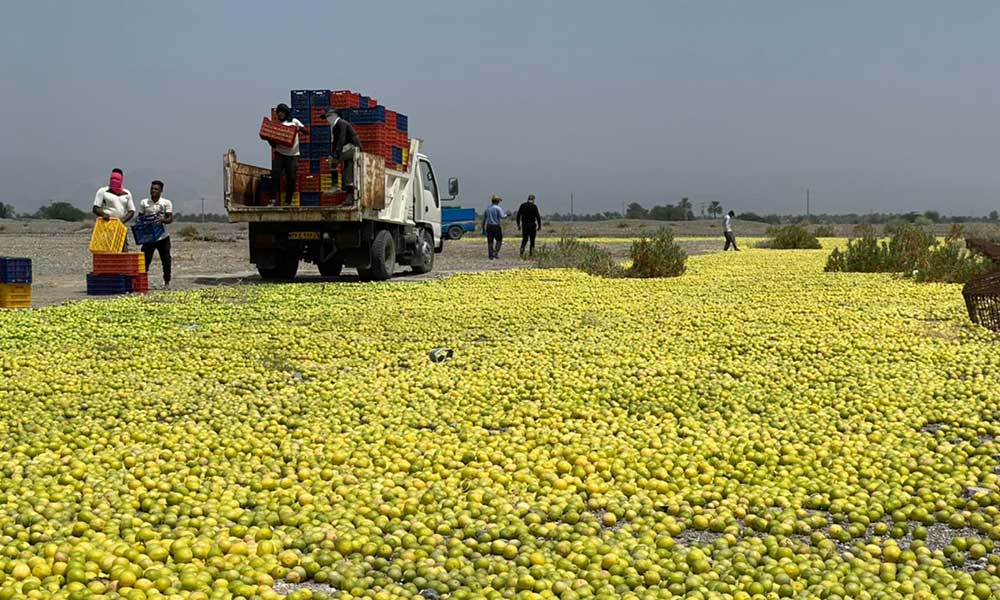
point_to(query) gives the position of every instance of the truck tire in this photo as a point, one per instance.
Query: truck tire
(330, 268)
(383, 256)
(425, 254)
(455, 232)
(286, 268)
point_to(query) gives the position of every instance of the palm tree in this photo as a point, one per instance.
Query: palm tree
(685, 206)
(715, 209)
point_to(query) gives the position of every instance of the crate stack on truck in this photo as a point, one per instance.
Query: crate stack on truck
(113, 271)
(15, 282)
(381, 131)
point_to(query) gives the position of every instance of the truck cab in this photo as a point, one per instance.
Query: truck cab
(395, 220)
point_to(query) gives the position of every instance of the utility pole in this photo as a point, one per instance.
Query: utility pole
(572, 215)
(807, 203)
(623, 209)
(203, 209)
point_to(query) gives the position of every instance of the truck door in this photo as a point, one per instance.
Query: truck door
(428, 209)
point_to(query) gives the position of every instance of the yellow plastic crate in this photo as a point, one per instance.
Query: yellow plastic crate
(325, 181)
(15, 295)
(108, 236)
(295, 199)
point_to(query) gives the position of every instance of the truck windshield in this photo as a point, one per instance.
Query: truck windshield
(427, 177)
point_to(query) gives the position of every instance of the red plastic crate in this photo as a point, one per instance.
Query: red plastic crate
(376, 132)
(372, 103)
(277, 133)
(390, 118)
(140, 283)
(345, 99)
(308, 183)
(318, 115)
(332, 199)
(124, 263)
(304, 136)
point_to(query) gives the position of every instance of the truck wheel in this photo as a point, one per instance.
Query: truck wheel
(383, 256)
(286, 268)
(455, 232)
(425, 252)
(330, 268)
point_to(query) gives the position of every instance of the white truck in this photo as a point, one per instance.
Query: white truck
(395, 219)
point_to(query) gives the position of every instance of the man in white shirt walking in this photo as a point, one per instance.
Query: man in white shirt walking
(285, 162)
(727, 227)
(161, 211)
(113, 201)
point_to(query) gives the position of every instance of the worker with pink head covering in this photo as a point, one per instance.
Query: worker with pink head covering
(114, 201)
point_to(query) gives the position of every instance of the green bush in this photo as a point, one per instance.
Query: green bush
(790, 237)
(657, 256)
(821, 231)
(911, 251)
(571, 253)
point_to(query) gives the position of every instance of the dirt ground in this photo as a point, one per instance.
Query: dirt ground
(61, 260)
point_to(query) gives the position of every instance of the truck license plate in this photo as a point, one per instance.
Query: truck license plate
(303, 235)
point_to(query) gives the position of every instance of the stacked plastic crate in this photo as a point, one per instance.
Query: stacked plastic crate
(115, 272)
(381, 131)
(15, 282)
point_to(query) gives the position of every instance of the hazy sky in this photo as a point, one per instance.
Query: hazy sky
(876, 106)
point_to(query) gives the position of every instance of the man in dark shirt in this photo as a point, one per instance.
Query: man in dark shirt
(529, 221)
(344, 147)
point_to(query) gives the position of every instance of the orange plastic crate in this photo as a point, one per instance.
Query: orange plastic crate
(130, 263)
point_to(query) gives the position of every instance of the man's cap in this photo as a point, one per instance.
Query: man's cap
(331, 111)
(496, 197)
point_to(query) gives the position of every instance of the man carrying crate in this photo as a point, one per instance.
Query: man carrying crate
(114, 201)
(161, 211)
(285, 163)
(343, 147)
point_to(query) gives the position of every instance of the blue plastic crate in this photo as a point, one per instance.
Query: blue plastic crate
(108, 285)
(319, 133)
(319, 98)
(314, 166)
(147, 231)
(402, 122)
(364, 101)
(304, 149)
(300, 99)
(397, 155)
(15, 270)
(365, 116)
(309, 198)
(302, 114)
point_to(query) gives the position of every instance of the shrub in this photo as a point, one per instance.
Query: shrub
(571, 253)
(791, 237)
(191, 233)
(657, 256)
(824, 231)
(911, 251)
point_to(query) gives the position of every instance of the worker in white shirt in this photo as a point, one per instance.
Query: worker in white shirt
(114, 201)
(162, 212)
(285, 162)
(727, 228)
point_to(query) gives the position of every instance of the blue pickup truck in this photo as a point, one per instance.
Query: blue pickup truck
(455, 221)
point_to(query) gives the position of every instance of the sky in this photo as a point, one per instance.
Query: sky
(874, 106)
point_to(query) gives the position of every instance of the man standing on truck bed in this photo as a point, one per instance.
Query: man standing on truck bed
(343, 147)
(491, 223)
(162, 211)
(529, 221)
(113, 201)
(285, 162)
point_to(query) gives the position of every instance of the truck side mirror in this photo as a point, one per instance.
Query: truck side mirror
(453, 187)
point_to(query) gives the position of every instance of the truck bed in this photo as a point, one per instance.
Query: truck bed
(240, 188)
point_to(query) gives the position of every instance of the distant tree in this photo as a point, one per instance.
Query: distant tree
(932, 215)
(6, 211)
(636, 211)
(60, 211)
(994, 215)
(686, 212)
(714, 209)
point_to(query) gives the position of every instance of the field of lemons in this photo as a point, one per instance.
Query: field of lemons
(754, 429)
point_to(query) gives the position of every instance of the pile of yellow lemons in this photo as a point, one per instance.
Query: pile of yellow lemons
(754, 429)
